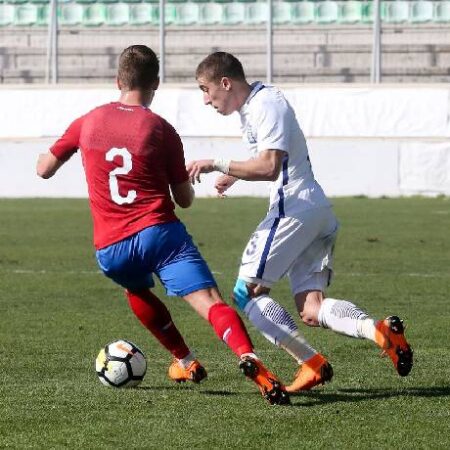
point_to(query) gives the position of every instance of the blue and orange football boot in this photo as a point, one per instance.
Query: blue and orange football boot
(314, 371)
(195, 372)
(390, 336)
(268, 384)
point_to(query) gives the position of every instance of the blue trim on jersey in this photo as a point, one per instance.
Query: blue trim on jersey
(256, 87)
(262, 86)
(262, 263)
(281, 189)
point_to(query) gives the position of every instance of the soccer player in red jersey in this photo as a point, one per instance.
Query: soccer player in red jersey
(134, 162)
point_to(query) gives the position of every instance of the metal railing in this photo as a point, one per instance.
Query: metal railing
(51, 73)
(51, 69)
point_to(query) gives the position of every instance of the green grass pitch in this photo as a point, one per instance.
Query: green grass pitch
(57, 311)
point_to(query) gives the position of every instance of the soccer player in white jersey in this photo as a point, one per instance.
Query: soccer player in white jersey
(297, 236)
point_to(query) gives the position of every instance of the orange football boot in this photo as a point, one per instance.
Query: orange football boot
(195, 372)
(314, 371)
(390, 336)
(268, 384)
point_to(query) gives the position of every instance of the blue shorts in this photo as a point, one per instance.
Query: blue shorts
(166, 250)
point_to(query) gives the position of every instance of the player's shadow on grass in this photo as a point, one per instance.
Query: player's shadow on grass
(357, 395)
(219, 393)
(189, 388)
(317, 397)
(176, 387)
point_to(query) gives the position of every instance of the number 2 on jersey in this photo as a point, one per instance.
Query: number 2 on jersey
(113, 182)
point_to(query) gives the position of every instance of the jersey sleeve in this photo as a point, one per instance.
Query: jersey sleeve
(273, 127)
(176, 165)
(69, 142)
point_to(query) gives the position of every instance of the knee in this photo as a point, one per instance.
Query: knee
(309, 313)
(309, 319)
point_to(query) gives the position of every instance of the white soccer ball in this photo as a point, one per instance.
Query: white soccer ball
(121, 364)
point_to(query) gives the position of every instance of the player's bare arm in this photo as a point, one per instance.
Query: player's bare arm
(183, 194)
(265, 167)
(47, 165)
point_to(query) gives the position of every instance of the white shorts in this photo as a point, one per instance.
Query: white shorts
(301, 248)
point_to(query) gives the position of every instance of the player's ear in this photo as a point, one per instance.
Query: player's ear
(225, 83)
(119, 86)
(156, 85)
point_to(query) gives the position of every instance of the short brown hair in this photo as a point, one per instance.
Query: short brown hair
(218, 65)
(138, 67)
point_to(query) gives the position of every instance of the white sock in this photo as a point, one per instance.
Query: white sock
(251, 355)
(366, 328)
(346, 318)
(278, 326)
(184, 362)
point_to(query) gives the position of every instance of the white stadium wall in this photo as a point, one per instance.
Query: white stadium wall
(363, 140)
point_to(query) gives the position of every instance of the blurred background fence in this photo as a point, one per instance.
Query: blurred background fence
(377, 139)
(308, 41)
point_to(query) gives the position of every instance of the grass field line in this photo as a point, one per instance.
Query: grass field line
(407, 274)
(65, 272)
(348, 274)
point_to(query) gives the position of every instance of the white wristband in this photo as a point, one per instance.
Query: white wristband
(222, 165)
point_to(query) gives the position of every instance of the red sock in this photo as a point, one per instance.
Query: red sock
(154, 315)
(229, 327)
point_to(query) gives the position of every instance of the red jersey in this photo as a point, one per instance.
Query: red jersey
(130, 157)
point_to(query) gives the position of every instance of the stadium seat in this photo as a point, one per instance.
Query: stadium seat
(233, 13)
(442, 12)
(397, 11)
(255, 13)
(170, 13)
(188, 14)
(43, 15)
(71, 14)
(350, 11)
(327, 12)
(281, 12)
(302, 12)
(421, 11)
(26, 14)
(143, 14)
(85, 1)
(39, 2)
(108, 1)
(15, 2)
(94, 15)
(117, 14)
(368, 12)
(6, 14)
(211, 13)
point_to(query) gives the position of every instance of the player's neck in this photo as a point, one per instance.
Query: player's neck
(244, 92)
(136, 98)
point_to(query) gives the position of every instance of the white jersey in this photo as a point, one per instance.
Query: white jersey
(268, 122)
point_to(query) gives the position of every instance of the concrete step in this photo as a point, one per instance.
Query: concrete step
(301, 54)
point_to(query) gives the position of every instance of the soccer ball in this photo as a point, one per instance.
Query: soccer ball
(121, 364)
